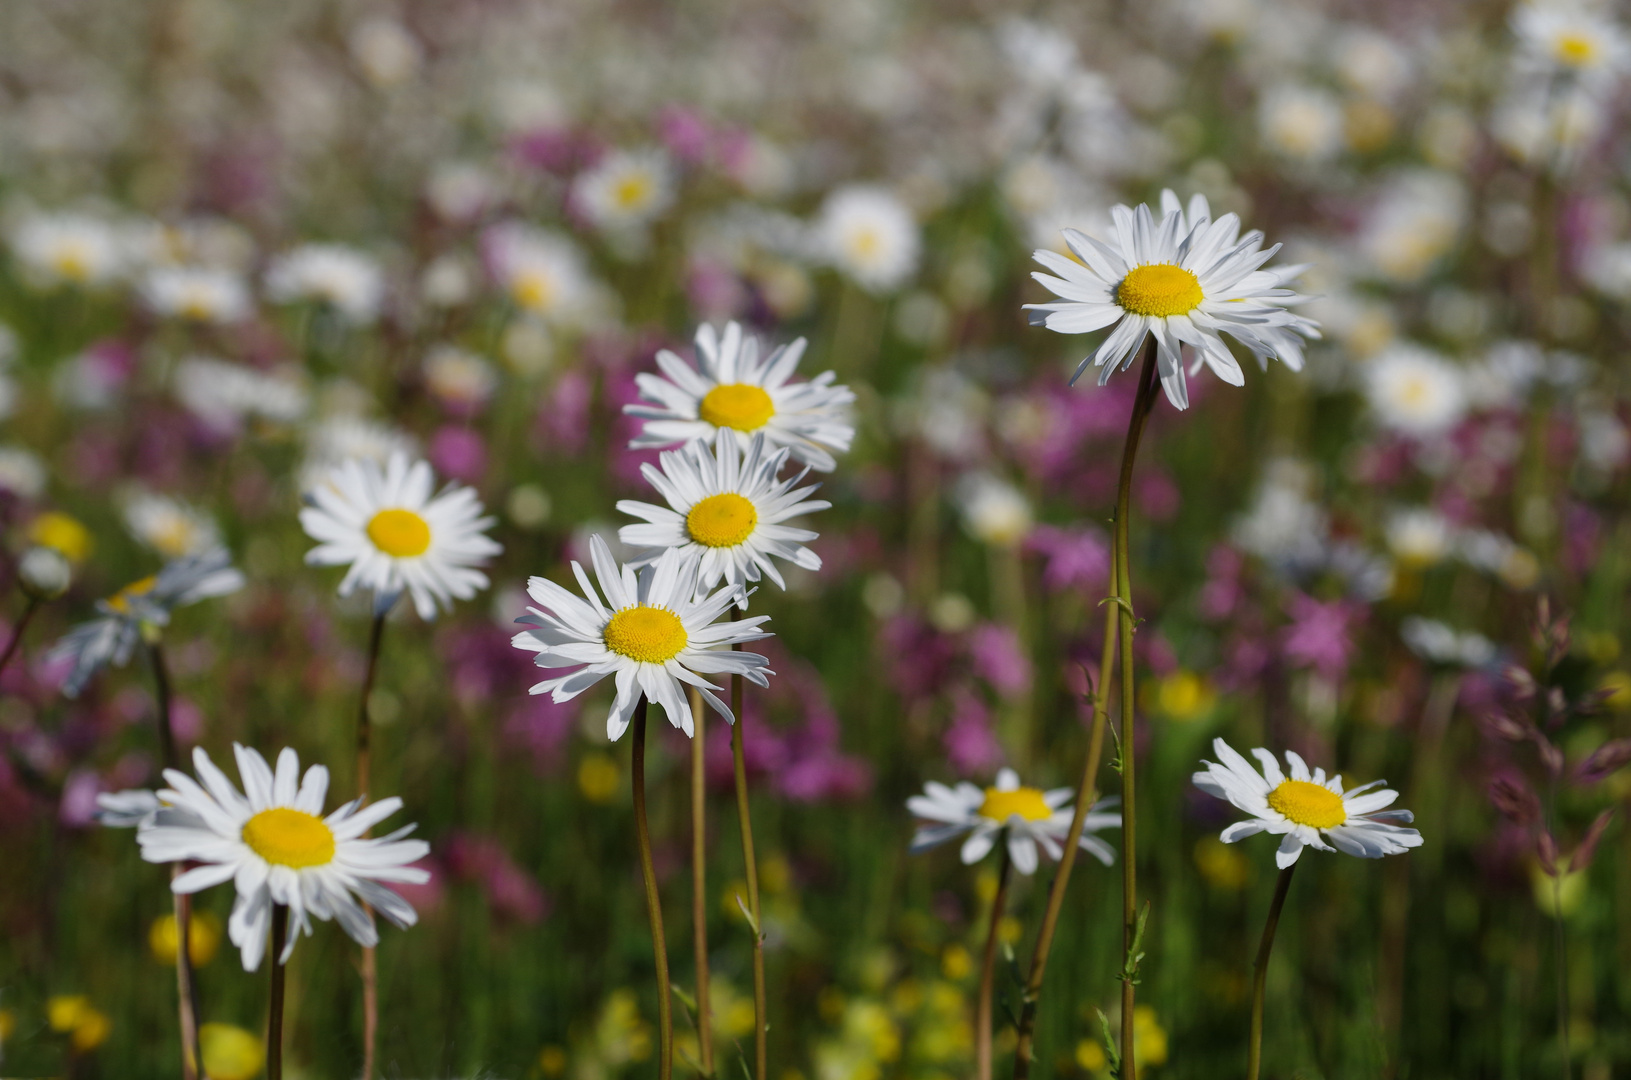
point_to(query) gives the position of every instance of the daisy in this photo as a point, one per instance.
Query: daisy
(1026, 816)
(1572, 39)
(655, 631)
(1415, 391)
(272, 843)
(725, 510)
(626, 188)
(73, 249)
(342, 277)
(169, 526)
(224, 395)
(1308, 809)
(1187, 280)
(730, 389)
(394, 534)
(196, 293)
(543, 272)
(869, 235)
(122, 618)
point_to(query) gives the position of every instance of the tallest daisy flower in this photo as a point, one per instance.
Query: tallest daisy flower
(1186, 280)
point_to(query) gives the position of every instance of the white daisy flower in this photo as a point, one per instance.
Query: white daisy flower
(127, 809)
(74, 249)
(869, 235)
(725, 510)
(626, 188)
(1308, 809)
(169, 526)
(655, 632)
(1419, 535)
(1415, 391)
(1027, 817)
(995, 512)
(395, 534)
(1572, 39)
(196, 293)
(272, 843)
(223, 394)
(730, 389)
(1187, 281)
(543, 272)
(334, 440)
(342, 277)
(112, 636)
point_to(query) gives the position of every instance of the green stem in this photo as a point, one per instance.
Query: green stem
(654, 904)
(699, 882)
(181, 906)
(370, 960)
(750, 865)
(1260, 972)
(17, 631)
(274, 1014)
(988, 969)
(1147, 387)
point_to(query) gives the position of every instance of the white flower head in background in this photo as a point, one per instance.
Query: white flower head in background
(168, 525)
(142, 607)
(1570, 39)
(342, 437)
(1443, 644)
(543, 273)
(655, 634)
(869, 235)
(1307, 809)
(1415, 391)
(730, 389)
(68, 249)
(347, 280)
(459, 378)
(1186, 280)
(1302, 123)
(726, 509)
(394, 533)
(1419, 536)
(995, 512)
(198, 294)
(1026, 818)
(626, 188)
(224, 395)
(273, 843)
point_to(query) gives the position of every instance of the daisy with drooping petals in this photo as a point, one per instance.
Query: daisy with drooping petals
(731, 390)
(653, 633)
(397, 535)
(273, 843)
(1307, 809)
(1030, 817)
(1186, 280)
(726, 510)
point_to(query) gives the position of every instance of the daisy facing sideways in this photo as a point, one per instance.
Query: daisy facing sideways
(273, 844)
(725, 509)
(1186, 280)
(656, 633)
(1025, 817)
(1307, 809)
(730, 389)
(395, 535)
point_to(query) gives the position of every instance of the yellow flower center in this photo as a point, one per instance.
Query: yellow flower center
(1309, 804)
(400, 534)
(722, 520)
(533, 290)
(632, 192)
(120, 601)
(864, 244)
(56, 530)
(1159, 290)
(285, 836)
(1575, 49)
(73, 263)
(1027, 802)
(651, 635)
(737, 405)
(197, 305)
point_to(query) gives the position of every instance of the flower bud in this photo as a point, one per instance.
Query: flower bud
(44, 573)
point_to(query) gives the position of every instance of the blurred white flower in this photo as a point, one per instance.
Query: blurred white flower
(72, 249)
(626, 188)
(1607, 269)
(1572, 39)
(460, 191)
(196, 293)
(223, 394)
(340, 438)
(994, 511)
(22, 473)
(1303, 123)
(542, 272)
(1419, 536)
(1370, 63)
(385, 50)
(1283, 523)
(1416, 220)
(1442, 644)
(1415, 391)
(44, 572)
(168, 525)
(459, 378)
(347, 280)
(869, 235)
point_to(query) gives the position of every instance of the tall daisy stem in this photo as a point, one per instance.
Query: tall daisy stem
(274, 1013)
(988, 971)
(699, 882)
(16, 638)
(370, 960)
(750, 869)
(181, 905)
(1260, 972)
(1142, 404)
(654, 903)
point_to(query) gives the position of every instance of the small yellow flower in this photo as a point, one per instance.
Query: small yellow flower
(1223, 866)
(552, 1060)
(598, 777)
(231, 1052)
(203, 938)
(74, 1015)
(1090, 1056)
(1617, 684)
(956, 963)
(775, 874)
(1149, 1037)
(1184, 696)
(8, 1024)
(1009, 930)
(54, 529)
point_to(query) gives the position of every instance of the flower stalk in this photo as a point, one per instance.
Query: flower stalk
(699, 881)
(16, 638)
(750, 870)
(654, 904)
(988, 969)
(274, 1012)
(370, 960)
(1260, 971)
(181, 905)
